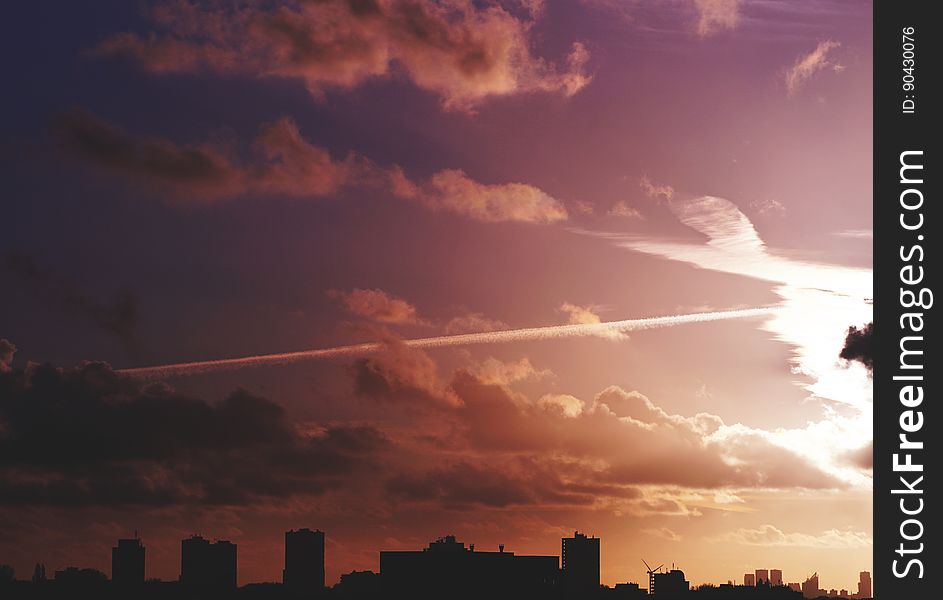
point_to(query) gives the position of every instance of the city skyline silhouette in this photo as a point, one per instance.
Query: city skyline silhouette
(208, 569)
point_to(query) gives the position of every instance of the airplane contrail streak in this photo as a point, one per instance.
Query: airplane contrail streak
(464, 339)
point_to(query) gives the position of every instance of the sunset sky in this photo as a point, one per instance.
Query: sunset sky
(188, 182)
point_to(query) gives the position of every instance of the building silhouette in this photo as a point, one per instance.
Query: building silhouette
(207, 565)
(670, 584)
(762, 577)
(749, 579)
(304, 561)
(580, 558)
(627, 591)
(448, 568)
(810, 587)
(776, 577)
(864, 584)
(127, 563)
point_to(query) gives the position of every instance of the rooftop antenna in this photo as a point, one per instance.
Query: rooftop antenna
(651, 575)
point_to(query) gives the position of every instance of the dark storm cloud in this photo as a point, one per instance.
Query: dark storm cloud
(400, 374)
(463, 485)
(503, 446)
(111, 147)
(858, 345)
(98, 142)
(281, 162)
(88, 436)
(119, 318)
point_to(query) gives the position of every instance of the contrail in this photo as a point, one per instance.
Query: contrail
(464, 339)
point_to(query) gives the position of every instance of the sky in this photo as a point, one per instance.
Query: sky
(188, 182)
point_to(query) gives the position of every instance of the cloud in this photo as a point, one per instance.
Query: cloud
(818, 299)
(859, 345)
(579, 314)
(769, 535)
(565, 404)
(656, 192)
(482, 444)
(400, 374)
(496, 372)
(623, 210)
(855, 233)
(727, 498)
(863, 457)
(809, 64)
(712, 16)
(582, 207)
(462, 485)
(621, 438)
(463, 52)
(282, 163)
(120, 318)
(379, 306)
(86, 436)
(716, 15)
(291, 166)
(7, 350)
(492, 447)
(200, 168)
(453, 191)
(663, 533)
(473, 322)
(586, 315)
(768, 207)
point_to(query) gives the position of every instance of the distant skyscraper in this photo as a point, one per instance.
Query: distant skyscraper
(580, 558)
(304, 561)
(864, 584)
(205, 564)
(749, 579)
(762, 577)
(127, 562)
(810, 587)
(775, 577)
